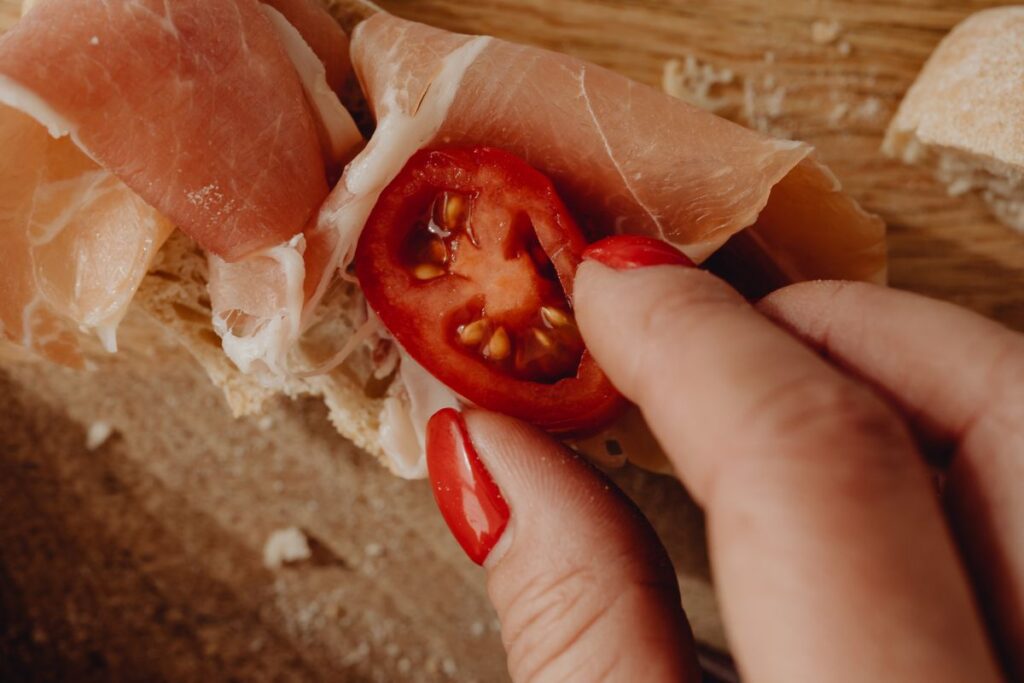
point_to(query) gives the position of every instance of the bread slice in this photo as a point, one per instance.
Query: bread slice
(964, 116)
(174, 297)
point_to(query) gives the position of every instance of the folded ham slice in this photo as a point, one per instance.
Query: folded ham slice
(76, 243)
(218, 115)
(625, 157)
(194, 104)
(323, 35)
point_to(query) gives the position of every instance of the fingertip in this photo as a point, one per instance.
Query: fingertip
(581, 583)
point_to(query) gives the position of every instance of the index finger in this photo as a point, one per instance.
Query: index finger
(827, 543)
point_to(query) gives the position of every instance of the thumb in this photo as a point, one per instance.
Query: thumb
(582, 586)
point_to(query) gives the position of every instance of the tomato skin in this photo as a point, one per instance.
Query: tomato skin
(421, 315)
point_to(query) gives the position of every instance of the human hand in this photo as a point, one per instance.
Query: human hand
(830, 545)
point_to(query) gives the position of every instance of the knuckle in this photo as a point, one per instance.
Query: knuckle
(816, 409)
(832, 426)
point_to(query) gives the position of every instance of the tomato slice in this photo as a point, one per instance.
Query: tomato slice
(468, 259)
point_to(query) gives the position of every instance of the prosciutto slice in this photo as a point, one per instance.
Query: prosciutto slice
(76, 243)
(216, 115)
(193, 104)
(323, 35)
(625, 157)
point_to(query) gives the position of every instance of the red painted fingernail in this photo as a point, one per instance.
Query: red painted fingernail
(626, 252)
(470, 501)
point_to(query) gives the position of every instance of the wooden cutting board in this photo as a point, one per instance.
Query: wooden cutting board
(142, 557)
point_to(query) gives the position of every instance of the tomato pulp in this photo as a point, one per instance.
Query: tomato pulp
(468, 259)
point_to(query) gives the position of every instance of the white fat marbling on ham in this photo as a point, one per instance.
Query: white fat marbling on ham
(338, 131)
(17, 96)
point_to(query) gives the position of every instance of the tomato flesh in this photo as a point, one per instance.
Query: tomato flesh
(468, 259)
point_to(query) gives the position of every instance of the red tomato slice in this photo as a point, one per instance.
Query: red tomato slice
(468, 259)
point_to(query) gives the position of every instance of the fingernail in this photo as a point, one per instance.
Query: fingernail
(626, 252)
(467, 496)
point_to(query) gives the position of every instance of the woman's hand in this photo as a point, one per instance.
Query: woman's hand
(831, 551)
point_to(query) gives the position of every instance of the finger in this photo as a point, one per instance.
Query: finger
(827, 544)
(582, 586)
(962, 376)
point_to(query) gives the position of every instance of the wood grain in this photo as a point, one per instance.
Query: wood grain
(142, 558)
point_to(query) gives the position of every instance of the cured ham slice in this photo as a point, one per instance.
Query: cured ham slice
(260, 303)
(221, 114)
(194, 104)
(626, 158)
(323, 35)
(76, 242)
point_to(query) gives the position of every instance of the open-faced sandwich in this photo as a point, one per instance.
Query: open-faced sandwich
(390, 218)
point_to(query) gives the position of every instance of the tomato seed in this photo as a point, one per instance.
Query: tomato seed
(427, 271)
(555, 317)
(474, 333)
(437, 251)
(454, 210)
(499, 347)
(542, 338)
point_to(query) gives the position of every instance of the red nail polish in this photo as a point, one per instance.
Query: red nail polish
(470, 501)
(626, 252)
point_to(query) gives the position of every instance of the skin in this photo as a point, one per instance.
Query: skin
(803, 426)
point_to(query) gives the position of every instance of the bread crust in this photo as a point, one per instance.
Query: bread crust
(970, 91)
(964, 116)
(173, 298)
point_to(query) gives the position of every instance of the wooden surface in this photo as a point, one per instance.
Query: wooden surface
(141, 560)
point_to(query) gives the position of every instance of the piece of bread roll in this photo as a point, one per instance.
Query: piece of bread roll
(964, 116)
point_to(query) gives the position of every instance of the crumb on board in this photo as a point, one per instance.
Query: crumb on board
(759, 96)
(286, 546)
(826, 32)
(99, 433)
(694, 81)
(720, 90)
(844, 48)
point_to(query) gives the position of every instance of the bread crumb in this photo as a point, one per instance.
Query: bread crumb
(870, 109)
(265, 423)
(448, 666)
(476, 629)
(838, 113)
(285, 546)
(98, 434)
(826, 32)
(358, 654)
(844, 48)
(374, 550)
(694, 81)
